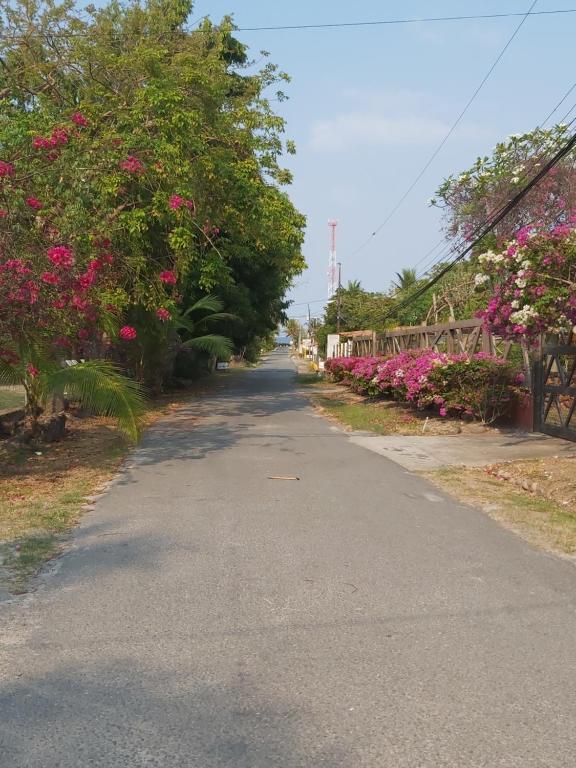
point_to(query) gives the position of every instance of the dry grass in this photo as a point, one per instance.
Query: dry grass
(545, 516)
(385, 417)
(11, 398)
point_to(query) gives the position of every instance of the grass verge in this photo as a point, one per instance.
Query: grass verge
(543, 521)
(43, 489)
(10, 398)
(384, 417)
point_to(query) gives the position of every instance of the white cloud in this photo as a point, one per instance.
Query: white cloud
(363, 128)
(372, 118)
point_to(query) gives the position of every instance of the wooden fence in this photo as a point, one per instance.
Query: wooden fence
(459, 337)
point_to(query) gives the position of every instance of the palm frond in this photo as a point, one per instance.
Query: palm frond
(219, 316)
(208, 303)
(9, 374)
(218, 346)
(185, 323)
(99, 386)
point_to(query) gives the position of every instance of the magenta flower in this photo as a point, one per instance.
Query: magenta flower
(39, 142)
(176, 202)
(61, 256)
(132, 165)
(79, 119)
(33, 202)
(168, 277)
(50, 278)
(163, 315)
(32, 371)
(128, 333)
(6, 169)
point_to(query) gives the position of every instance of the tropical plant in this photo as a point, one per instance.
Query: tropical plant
(479, 386)
(405, 279)
(96, 384)
(469, 198)
(194, 323)
(164, 143)
(532, 283)
(293, 329)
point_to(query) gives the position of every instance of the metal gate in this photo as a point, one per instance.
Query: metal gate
(555, 392)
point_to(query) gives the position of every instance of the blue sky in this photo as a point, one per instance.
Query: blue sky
(369, 105)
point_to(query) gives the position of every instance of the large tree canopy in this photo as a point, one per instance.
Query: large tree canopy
(159, 141)
(471, 197)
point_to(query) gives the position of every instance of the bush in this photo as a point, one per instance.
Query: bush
(480, 386)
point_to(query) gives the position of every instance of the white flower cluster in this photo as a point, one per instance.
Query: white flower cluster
(491, 258)
(480, 279)
(524, 315)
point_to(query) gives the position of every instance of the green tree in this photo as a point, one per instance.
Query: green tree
(470, 197)
(182, 153)
(293, 329)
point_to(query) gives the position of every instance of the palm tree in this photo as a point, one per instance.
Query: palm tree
(97, 384)
(293, 329)
(354, 287)
(195, 322)
(407, 278)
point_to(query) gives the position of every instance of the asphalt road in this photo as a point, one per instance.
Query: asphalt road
(207, 616)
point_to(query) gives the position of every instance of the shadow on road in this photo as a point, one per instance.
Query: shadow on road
(164, 718)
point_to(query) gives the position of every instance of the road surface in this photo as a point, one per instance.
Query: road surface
(207, 616)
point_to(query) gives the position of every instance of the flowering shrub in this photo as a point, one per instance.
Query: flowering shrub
(480, 386)
(533, 283)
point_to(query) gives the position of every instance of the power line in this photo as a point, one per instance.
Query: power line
(449, 133)
(451, 247)
(385, 22)
(504, 211)
(336, 25)
(559, 104)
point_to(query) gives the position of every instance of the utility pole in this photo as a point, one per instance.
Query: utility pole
(339, 297)
(332, 273)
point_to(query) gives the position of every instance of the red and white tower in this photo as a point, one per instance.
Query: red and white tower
(332, 265)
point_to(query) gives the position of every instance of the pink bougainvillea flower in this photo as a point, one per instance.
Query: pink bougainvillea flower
(61, 256)
(163, 314)
(83, 334)
(168, 277)
(32, 371)
(59, 137)
(6, 169)
(79, 303)
(50, 278)
(79, 119)
(132, 165)
(176, 202)
(39, 142)
(33, 202)
(128, 333)
(3, 213)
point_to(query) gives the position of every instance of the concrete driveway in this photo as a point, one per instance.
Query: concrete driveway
(207, 616)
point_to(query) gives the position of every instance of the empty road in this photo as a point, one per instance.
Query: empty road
(206, 616)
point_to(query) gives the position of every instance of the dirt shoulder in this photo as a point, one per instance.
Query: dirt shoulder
(536, 499)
